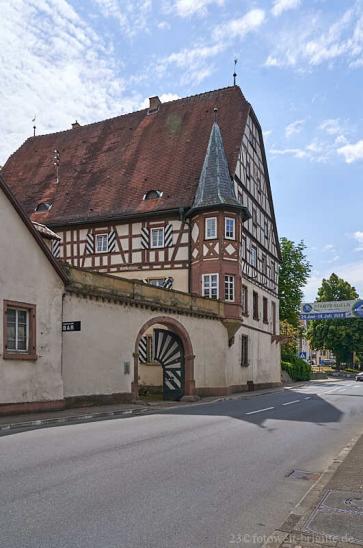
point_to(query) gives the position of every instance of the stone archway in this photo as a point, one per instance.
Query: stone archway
(176, 327)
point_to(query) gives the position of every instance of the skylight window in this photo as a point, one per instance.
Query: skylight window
(43, 206)
(153, 195)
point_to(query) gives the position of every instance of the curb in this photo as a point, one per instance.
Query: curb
(297, 517)
(89, 417)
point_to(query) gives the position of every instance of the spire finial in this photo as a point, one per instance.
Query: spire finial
(235, 74)
(34, 126)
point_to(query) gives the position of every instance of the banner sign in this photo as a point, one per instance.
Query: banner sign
(331, 310)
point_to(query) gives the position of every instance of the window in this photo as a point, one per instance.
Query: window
(101, 243)
(254, 256)
(265, 310)
(244, 300)
(273, 318)
(266, 229)
(157, 237)
(273, 270)
(255, 305)
(210, 228)
(210, 286)
(244, 351)
(19, 331)
(229, 228)
(153, 195)
(228, 287)
(248, 169)
(264, 264)
(43, 206)
(156, 282)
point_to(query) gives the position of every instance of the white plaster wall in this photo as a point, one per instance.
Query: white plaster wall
(27, 276)
(93, 359)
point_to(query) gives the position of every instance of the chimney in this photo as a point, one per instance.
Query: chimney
(75, 125)
(154, 104)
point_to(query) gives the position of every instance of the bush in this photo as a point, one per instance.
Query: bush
(298, 369)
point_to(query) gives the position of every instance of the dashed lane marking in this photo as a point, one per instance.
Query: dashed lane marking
(259, 410)
(290, 402)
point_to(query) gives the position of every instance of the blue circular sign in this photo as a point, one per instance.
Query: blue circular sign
(307, 308)
(358, 309)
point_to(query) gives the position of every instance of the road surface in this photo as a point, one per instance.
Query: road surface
(207, 475)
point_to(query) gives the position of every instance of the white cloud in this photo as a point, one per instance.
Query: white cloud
(312, 41)
(329, 247)
(132, 16)
(238, 28)
(331, 126)
(294, 128)
(351, 272)
(352, 152)
(266, 133)
(279, 6)
(294, 152)
(57, 67)
(196, 61)
(164, 98)
(186, 8)
(358, 235)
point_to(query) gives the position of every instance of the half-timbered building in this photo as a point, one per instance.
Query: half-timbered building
(178, 196)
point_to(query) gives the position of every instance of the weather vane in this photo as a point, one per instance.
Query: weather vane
(235, 74)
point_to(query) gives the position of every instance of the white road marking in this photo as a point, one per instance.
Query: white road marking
(307, 398)
(259, 410)
(290, 402)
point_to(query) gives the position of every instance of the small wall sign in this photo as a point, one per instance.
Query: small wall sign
(71, 326)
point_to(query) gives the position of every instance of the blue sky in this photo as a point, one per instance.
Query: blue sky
(300, 64)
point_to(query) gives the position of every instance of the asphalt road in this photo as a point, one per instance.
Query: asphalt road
(210, 475)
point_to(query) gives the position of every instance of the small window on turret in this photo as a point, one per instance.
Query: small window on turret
(153, 195)
(43, 206)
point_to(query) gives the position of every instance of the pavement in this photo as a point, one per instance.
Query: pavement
(212, 474)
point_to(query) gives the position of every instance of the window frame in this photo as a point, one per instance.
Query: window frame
(30, 353)
(226, 220)
(152, 231)
(204, 276)
(101, 235)
(229, 287)
(206, 237)
(254, 263)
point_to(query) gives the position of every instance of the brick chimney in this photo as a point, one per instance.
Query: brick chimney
(75, 125)
(154, 104)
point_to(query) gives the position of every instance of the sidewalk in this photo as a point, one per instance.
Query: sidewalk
(29, 421)
(331, 513)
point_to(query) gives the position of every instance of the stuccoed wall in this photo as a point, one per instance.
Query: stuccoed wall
(27, 276)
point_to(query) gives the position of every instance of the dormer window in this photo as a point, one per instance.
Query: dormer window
(43, 206)
(153, 195)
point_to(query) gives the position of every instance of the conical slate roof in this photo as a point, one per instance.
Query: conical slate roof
(215, 187)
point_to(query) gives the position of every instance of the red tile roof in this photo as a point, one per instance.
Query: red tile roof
(107, 167)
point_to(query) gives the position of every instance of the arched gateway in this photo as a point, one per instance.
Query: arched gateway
(174, 352)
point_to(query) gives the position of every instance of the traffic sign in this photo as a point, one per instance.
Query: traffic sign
(302, 355)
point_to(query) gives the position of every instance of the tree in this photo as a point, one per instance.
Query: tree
(294, 273)
(342, 337)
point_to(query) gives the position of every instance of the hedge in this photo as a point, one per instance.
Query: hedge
(298, 369)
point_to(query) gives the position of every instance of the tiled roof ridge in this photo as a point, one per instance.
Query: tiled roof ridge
(134, 112)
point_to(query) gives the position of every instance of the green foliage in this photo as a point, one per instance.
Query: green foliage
(342, 337)
(294, 273)
(298, 369)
